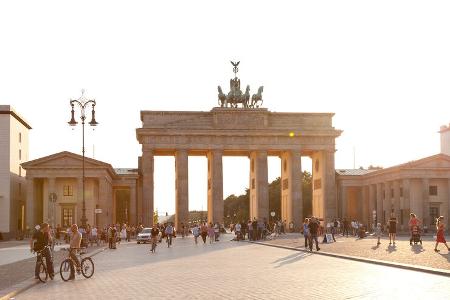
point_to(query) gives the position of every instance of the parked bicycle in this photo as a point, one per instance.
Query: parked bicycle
(42, 267)
(68, 265)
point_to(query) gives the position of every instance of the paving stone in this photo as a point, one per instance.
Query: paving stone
(237, 270)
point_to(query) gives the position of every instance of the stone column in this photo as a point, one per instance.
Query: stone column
(426, 201)
(132, 219)
(396, 202)
(364, 216)
(291, 188)
(344, 202)
(387, 204)
(329, 185)
(215, 186)
(372, 205)
(182, 188)
(30, 207)
(104, 203)
(379, 204)
(147, 187)
(51, 208)
(448, 205)
(259, 193)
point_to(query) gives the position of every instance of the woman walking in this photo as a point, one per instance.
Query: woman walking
(306, 231)
(440, 227)
(211, 233)
(392, 229)
(204, 232)
(195, 233)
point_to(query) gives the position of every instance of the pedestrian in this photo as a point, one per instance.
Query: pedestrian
(216, 232)
(313, 229)
(250, 230)
(392, 229)
(255, 229)
(413, 222)
(334, 229)
(154, 233)
(195, 232)
(378, 232)
(204, 232)
(43, 240)
(211, 233)
(345, 227)
(440, 238)
(306, 231)
(237, 231)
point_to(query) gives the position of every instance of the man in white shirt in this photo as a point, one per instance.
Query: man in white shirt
(75, 242)
(237, 230)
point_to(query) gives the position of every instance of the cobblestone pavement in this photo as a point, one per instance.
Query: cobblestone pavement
(402, 252)
(237, 270)
(20, 270)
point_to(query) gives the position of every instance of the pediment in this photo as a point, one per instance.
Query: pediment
(64, 160)
(439, 161)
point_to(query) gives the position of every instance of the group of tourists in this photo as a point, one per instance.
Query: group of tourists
(41, 242)
(255, 229)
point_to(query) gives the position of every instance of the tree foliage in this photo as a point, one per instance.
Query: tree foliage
(236, 208)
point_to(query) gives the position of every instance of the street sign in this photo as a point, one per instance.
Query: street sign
(98, 210)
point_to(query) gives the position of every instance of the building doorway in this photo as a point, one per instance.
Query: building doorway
(122, 211)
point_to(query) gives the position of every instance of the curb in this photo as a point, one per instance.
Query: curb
(423, 269)
(29, 283)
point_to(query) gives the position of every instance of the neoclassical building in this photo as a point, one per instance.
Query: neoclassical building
(54, 191)
(14, 131)
(421, 187)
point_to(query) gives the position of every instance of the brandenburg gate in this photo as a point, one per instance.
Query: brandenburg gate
(249, 131)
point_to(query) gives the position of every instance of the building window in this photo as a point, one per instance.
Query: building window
(20, 171)
(252, 165)
(392, 193)
(68, 190)
(20, 137)
(434, 214)
(253, 183)
(67, 217)
(20, 154)
(433, 190)
(285, 184)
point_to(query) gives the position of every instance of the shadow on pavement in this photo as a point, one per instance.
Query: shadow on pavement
(291, 259)
(391, 248)
(417, 249)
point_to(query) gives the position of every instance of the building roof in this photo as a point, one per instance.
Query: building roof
(8, 110)
(353, 172)
(126, 171)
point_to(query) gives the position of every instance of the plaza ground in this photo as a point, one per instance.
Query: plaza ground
(418, 255)
(237, 270)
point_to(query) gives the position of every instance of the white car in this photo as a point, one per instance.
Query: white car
(144, 236)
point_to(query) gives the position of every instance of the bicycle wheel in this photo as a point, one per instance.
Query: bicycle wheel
(87, 267)
(66, 269)
(43, 275)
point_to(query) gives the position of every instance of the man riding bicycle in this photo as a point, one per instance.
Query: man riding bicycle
(169, 233)
(75, 243)
(43, 240)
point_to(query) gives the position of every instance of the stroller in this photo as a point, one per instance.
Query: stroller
(415, 236)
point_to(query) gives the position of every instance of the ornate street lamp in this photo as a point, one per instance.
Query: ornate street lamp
(83, 103)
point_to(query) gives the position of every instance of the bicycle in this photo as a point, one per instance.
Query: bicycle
(168, 240)
(68, 265)
(43, 273)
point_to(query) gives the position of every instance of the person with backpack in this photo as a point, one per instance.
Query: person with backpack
(313, 230)
(40, 241)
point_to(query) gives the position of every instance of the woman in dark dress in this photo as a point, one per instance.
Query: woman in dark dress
(392, 229)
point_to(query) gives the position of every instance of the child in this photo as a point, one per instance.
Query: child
(378, 233)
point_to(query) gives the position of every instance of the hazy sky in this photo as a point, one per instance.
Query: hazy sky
(382, 66)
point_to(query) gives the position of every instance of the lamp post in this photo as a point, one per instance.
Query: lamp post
(83, 103)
